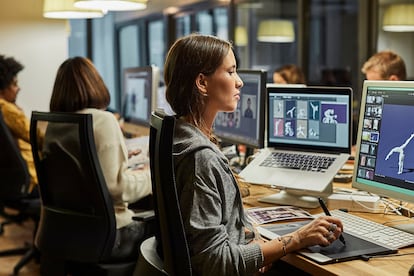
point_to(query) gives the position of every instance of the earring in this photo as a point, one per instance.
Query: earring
(205, 95)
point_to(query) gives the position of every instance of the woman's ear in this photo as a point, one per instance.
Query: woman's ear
(201, 83)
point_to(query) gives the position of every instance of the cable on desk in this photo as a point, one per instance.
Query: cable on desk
(368, 257)
(399, 208)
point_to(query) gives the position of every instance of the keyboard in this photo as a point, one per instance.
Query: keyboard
(298, 161)
(375, 232)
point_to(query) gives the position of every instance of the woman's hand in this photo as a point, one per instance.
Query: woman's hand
(134, 152)
(321, 231)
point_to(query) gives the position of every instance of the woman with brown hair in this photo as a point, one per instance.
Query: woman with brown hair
(79, 88)
(201, 79)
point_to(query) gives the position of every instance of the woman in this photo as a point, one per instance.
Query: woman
(201, 80)
(14, 116)
(289, 74)
(79, 88)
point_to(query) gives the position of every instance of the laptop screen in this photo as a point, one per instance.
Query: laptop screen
(312, 118)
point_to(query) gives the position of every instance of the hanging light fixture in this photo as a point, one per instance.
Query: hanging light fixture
(112, 5)
(399, 18)
(64, 9)
(276, 30)
(240, 36)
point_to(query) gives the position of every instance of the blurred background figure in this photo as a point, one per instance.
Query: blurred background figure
(13, 115)
(385, 65)
(289, 74)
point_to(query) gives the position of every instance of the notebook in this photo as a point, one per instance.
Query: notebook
(355, 247)
(305, 121)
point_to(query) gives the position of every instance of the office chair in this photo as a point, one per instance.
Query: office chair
(77, 228)
(15, 181)
(168, 253)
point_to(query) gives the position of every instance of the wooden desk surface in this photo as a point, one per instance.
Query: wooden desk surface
(392, 265)
(135, 130)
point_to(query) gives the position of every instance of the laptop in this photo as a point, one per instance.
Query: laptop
(307, 122)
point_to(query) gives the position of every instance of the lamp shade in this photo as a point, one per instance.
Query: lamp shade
(112, 5)
(240, 36)
(276, 31)
(64, 9)
(399, 18)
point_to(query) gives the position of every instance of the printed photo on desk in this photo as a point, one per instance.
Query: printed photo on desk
(276, 213)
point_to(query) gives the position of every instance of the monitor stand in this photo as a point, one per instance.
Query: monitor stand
(297, 198)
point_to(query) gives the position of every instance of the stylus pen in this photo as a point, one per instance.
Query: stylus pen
(325, 209)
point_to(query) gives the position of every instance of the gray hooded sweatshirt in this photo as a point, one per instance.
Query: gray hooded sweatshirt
(212, 209)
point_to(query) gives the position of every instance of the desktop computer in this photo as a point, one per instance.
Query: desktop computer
(139, 94)
(244, 128)
(384, 161)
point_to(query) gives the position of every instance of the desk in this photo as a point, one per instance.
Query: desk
(381, 266)
(134, 130)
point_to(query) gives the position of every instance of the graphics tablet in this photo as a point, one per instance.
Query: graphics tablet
(355, 247)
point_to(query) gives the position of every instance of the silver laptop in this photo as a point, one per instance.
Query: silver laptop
(313, 123)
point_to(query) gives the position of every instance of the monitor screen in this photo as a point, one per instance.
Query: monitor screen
(384, 161)
(309, 117)
(140, 89)
(246, 124)
(162, 102)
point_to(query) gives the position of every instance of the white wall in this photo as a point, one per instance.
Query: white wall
(38, 43)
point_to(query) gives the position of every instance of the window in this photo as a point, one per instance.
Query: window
(259, 54)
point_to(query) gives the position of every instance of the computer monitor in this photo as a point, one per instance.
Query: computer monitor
(162, 102)
(140, 90)
(246, 124)
(384, 161)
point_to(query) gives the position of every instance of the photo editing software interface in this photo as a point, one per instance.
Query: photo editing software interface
(246, 124)
(308, 118)
(385, 160)
(140, 90)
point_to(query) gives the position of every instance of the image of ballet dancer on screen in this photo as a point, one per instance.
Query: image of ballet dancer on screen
(315, 110)
(401, 154)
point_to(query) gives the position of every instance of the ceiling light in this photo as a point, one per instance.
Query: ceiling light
(240, 36)
(399, 18)
(64, 9)
(276, 30)
(112, 5)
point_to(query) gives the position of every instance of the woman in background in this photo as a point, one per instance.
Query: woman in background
(289, 74)
(201, 80)
(79, 88)
(14, 116)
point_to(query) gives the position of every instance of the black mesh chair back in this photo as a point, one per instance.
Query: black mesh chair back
(16, 205)
(77, 217)
(171, 236)
(15, 176)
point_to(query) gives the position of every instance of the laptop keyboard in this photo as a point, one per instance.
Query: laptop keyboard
(298, 161)
(370, 230)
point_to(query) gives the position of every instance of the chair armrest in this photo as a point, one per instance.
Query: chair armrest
(144, 215)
